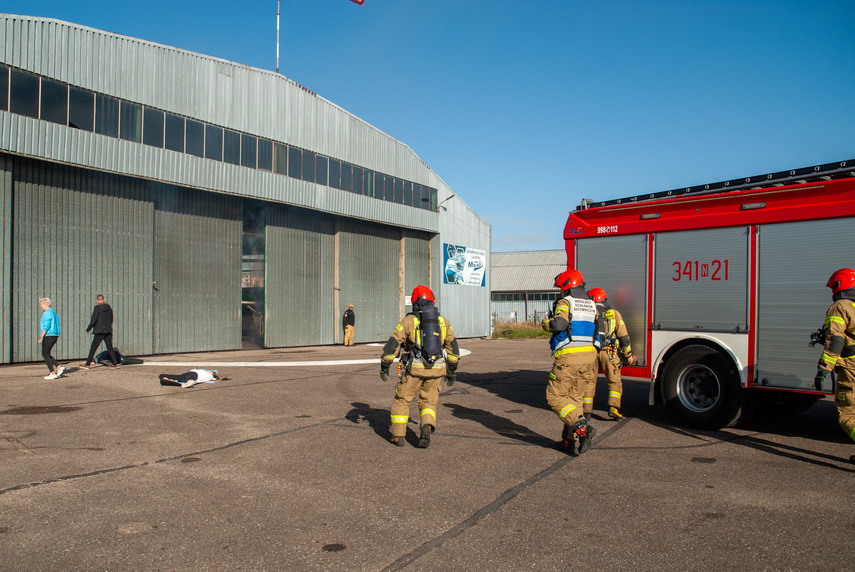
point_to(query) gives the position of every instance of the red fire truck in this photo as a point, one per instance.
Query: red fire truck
(721, 285)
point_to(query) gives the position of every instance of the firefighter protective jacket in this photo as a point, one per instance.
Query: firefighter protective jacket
(579, 313)
(614, 331)
(839, 327)
(408, 334)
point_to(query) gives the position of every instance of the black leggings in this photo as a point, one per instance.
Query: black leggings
(179, 377)
(47, 345)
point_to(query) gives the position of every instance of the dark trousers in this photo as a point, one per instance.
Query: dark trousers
(96, 343)
(179, 377)
(47, 346)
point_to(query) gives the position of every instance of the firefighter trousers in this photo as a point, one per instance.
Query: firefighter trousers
(609, 365)
(844, 399)
(427, 388)
(348, 335)
(570, 376)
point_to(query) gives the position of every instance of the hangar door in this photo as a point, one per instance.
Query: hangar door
(197, 271)
(298, 284)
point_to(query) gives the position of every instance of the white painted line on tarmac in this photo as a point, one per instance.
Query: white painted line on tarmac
(196, 364)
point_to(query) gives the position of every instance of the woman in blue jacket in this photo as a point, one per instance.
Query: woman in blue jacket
(47, 338)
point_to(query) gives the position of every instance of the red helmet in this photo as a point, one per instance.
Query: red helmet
(843, 279)
(422, 292)
(597, 294)
(568, 279)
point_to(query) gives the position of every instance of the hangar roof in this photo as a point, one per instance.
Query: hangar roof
(532, 271)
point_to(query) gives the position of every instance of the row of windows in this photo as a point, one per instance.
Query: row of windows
(42, 98)
(523, 296)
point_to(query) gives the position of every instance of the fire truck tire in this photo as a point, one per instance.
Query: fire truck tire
(701, 389)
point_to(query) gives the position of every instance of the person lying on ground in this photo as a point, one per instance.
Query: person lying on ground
(190, 378)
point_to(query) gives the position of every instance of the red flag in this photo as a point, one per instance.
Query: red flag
(360, 2)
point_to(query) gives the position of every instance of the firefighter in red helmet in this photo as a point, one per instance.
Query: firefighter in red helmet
(573, 326)
(614, 348)
(838, 353)
(429, 353)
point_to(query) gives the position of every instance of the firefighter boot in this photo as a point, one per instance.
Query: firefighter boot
(424, 436)
(568, 445)
(585, 433)
(614, 413)
(588, 415)
(398, 441)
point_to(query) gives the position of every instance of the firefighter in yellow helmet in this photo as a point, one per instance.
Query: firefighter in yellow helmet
(614, 348)
(430, 352)
(838, 353)
(573, 326)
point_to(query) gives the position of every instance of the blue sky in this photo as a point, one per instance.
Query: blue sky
(524, 107)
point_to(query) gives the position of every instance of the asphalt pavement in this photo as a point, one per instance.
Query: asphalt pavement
(285, 464)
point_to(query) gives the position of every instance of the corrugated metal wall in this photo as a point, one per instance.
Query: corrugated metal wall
(468, 307)
(77, 234)
(6, 264)
(299, 291)
(197, 270)
(369, 270)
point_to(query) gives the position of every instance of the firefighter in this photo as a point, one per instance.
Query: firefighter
(838, 353)
(573, 326)
(429, 353)
(614, 350)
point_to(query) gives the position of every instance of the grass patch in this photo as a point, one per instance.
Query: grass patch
(518, 330)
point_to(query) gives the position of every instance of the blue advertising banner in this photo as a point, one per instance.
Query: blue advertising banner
(464, 266)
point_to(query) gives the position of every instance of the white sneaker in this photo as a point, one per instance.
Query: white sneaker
(51, 376)
(60, 370)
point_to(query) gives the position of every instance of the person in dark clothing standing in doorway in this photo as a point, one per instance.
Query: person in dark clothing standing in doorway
(101, 325)
(349, 320)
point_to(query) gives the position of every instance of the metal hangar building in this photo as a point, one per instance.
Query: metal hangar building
(215, 205)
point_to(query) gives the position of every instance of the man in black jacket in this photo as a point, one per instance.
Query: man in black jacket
(101, 325)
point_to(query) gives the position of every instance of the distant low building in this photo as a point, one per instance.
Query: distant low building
(522, 284)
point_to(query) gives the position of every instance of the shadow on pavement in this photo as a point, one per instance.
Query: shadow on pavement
(501, 425)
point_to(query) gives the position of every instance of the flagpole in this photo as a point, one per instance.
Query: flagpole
(277, 35)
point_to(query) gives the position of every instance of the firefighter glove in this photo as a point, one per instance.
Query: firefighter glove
(450, 374)
(384, 370)
(821, 374)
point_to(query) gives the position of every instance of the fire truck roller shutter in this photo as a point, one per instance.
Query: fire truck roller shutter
(701, 388)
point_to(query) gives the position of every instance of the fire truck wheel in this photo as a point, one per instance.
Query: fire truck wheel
(701, 389)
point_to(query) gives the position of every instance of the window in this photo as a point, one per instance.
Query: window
(153, 127)
(213, 143)
(321, 170)
(4, 88)
(280, 164)
(308, 166)
(265, 154)
(357, 180)
(81, 109)
(367, 185)
(24, 94)
(54, 102)
(379, 182)
(130, 121)
(106, 115)
(408, 193)
(335, 174)
(194, 142)
(433, 205)
(174, 140)
(346, 176)
(231, 147)
(248, 150)
(399, 191)
(295, 162)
